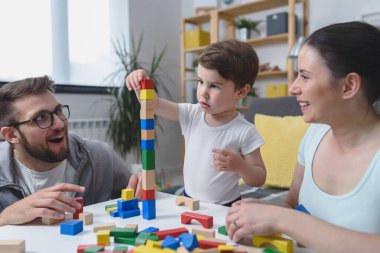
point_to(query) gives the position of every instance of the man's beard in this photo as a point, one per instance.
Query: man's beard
(44, 153)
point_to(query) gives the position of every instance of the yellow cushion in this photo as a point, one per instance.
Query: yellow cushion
(282, 136)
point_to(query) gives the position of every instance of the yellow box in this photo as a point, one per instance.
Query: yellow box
(196, 38)
(276, 90)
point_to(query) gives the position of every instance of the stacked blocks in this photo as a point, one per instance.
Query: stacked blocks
(147, 95)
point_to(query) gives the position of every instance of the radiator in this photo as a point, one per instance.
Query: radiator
(95, 128)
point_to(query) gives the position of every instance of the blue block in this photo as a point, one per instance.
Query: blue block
(170, 242)
(114, 213)
(147, 124)
(126, 205)
(189, 241)
(301, 208)
(149, 209)
(147, 144)
(150, 230)
(72, 227)
(129, 214)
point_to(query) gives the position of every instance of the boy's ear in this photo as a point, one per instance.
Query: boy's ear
(351, 85)
(10, 134)
(244, 91)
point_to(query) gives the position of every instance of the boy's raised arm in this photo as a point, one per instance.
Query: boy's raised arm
(162, 107)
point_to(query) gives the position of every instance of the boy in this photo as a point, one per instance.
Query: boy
(221, 146)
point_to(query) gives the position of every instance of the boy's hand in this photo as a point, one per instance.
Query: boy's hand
(227, 160)
(135, 183)
(51, 202)
(134, 78)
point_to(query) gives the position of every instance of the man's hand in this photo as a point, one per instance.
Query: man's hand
(51, 202)
(135, 183)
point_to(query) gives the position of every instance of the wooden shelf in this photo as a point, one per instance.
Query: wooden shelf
(278, 38)
(251, 7)
(195, 49)
(198, 19)
(265, 74)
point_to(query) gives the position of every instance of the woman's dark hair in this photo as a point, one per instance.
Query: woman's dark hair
(351, 47)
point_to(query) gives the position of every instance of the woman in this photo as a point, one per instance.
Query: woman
(337, 178)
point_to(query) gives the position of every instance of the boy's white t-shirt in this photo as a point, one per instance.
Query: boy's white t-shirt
(358, 209)
(201, 180)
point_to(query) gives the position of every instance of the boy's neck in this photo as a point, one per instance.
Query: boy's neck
(220, 119)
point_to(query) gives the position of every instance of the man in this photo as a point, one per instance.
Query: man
(42, 166)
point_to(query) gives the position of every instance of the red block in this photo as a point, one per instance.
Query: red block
(205, 220)
(148, 194)
(173, 232)
(81, 248)
(78, 211)
(204, 244)
(147, 84)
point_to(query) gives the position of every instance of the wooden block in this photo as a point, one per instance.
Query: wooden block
(147, 124)
(134, 226)
(127, 194)
(12, 246)
(148, 179)
(149, 209)
(147, 114)
(50, 221)
(205, 220)
(81, 248)
(175, 232)
(182, 250)
(103, 237)
(147, 144)
(247, 249)
(147, 84)
(208, 233)
(147, 94)
(147, 134)
(104, 226)
(208, 244)
(148, 159)
(225, 248)
(153, 244)
(193, 204)
(147, 104)
(148, 194)
(282, 244)
(80, 210)
(87, 218)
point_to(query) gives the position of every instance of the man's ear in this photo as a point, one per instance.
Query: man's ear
(351, 85)
(10, 134)
(244, 91)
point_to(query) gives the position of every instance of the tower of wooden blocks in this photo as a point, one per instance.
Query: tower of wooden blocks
(147, 149)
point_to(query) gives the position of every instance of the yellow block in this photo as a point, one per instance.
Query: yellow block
(147, 94)
(225, 248)
(276, 90)
(146, 249)
(282, 244)
(103, 237)
(154, 244)
(196, 38)
(127, 194)
(111, 209)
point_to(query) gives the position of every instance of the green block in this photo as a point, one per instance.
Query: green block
(125, 240)
(120, 249)
(93, 249)
(267, 250)
(153, 237)
(142, 238)
(123, 232)
(108, 206)
(148, 159)
(222, 230)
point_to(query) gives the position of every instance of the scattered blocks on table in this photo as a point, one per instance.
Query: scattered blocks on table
(127, 194)
(145, 249)
(149, 209)
(205, 220)
(80, 210)
(193, 204)
(207, 233)
(129, 213)
(103, 236)
(94, 249)
(189, 241)
(111, 207)
(71, 227)
(171, 243)
(104, 226)
(209, 243)
(154, 244)
(123, 232)
(150, 230)
(120, 249)
(282, 244)
(82, 247)
(148, 159)
(87, 218)
(225, 248)
(50, 221)
(162, 234)
(12, 246)
(222, 230)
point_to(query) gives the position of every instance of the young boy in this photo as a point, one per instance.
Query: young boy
(221, 146)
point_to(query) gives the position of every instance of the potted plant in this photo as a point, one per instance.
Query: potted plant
(124, 127)
(245, 26)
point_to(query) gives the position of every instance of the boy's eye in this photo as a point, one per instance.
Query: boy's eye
(214, 86)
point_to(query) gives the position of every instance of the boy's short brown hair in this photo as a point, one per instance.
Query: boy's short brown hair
(234, 60)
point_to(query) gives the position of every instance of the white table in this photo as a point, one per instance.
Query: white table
(41, 238)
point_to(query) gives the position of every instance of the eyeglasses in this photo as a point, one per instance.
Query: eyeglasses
(45, 119)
